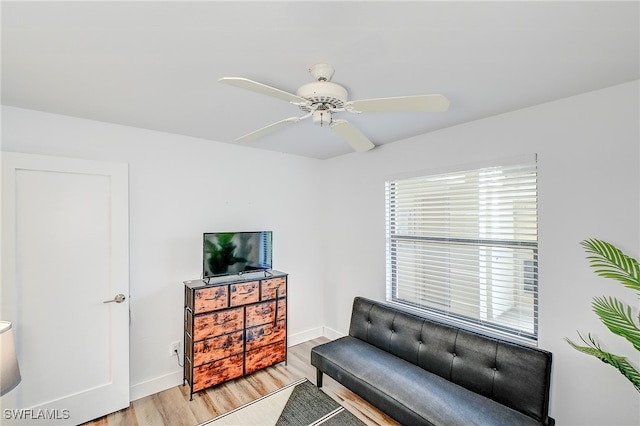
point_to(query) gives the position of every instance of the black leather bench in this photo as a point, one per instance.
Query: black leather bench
(422, 372)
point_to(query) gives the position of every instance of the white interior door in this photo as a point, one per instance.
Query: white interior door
(65, 251)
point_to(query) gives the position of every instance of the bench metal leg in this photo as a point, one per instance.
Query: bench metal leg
(318, 378)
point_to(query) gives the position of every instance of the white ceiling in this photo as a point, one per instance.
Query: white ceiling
(155, 64)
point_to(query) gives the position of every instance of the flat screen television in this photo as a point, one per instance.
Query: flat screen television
(228, 253)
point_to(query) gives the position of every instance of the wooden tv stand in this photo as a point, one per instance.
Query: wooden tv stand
(233, 326)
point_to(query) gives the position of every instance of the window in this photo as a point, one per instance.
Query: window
(464, 246)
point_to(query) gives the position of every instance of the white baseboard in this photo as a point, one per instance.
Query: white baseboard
(140, 390)
(303, 336)
(149, 387)
(331, 334)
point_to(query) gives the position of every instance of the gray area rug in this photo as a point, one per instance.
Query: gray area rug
(298, 404)
(308, 405)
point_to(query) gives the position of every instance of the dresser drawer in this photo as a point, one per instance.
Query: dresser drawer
(265, 356)
(266, 334)
(244, 293)
(211, 299)
(269, 288)
(264, 313)
(217, 323)
(217, 372)
(217, 348)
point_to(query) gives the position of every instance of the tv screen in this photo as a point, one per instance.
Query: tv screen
(228, 253)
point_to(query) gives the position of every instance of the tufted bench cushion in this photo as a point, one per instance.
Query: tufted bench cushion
(423, 372)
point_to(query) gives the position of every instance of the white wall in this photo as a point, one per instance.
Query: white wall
(589, 186)
(181, 187)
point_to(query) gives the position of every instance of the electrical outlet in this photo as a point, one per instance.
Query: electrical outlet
(175, 347)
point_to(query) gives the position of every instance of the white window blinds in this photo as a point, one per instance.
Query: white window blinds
(464, 245)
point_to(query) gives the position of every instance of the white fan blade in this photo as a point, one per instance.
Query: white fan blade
(420, 103)
(270, 128)
(352, 135)
(254, 86)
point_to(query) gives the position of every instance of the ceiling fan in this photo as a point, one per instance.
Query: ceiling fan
(322, 98)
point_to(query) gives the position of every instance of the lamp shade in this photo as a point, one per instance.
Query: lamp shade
(9, 371)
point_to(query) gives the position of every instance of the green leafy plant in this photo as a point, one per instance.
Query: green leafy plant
(221, 255)
(611, 262)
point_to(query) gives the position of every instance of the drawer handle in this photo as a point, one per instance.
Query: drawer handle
(275, 317)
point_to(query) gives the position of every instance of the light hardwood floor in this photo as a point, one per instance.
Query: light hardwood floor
(172, 406)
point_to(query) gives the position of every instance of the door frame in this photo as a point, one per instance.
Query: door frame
(83, 406)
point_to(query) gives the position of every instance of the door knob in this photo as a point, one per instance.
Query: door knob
(118, 299)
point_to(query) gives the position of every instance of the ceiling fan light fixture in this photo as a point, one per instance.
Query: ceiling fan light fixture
(323, 92)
